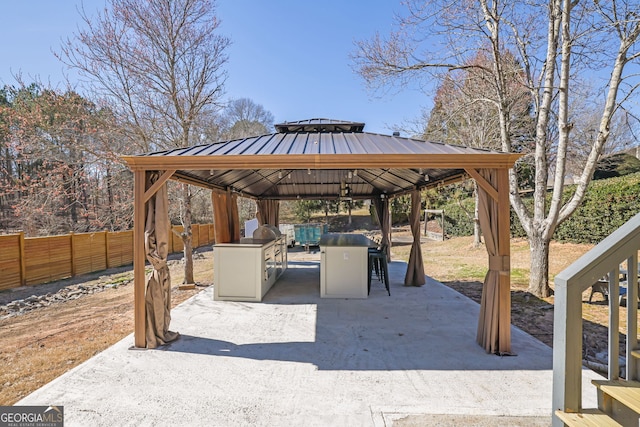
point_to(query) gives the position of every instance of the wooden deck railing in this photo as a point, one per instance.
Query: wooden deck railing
(34, 260)
(619, 248)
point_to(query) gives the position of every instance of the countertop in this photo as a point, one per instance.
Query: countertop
(246, 242)
(336, 239)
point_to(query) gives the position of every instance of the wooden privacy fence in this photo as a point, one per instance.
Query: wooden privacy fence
(36, 260)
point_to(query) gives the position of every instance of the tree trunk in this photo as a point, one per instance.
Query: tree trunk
(476, 219)
(186, 235)
(539, 276)
(110, 206)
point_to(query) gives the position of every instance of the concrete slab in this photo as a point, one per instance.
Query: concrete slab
(295, 359)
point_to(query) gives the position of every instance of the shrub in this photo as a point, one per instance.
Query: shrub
(607, 205)
(457, 221)
(618, 164)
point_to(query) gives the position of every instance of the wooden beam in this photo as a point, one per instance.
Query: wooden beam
(323, 161)
(430, 184)
(486, 186)
(184, 179)
(139, 314)
(156, 185)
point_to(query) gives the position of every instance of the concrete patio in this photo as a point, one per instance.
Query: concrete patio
(409, 359)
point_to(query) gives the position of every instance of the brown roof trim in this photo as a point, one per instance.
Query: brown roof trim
(324, 161)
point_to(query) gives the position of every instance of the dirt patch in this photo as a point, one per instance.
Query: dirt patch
(531, 314)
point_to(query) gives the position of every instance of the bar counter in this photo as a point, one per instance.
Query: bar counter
(344, 265)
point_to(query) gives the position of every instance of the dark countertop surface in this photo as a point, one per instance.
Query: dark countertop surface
(336, 239)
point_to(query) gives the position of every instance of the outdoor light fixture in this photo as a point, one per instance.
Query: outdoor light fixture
(426, 177)
(345, 192)
(350, 174)
(279, 174)
(289, 176)
(355, 172)
(420, 171)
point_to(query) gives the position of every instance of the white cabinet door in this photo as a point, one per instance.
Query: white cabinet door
(238, 273)
(343, 272)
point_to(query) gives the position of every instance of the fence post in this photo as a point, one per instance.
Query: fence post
(23, 267)
(73, 254)
(106, 249)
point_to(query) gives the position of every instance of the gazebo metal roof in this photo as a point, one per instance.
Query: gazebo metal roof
(321, 159)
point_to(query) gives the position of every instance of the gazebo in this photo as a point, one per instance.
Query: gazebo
(320, 159)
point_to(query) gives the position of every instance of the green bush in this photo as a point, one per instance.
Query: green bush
(607, 205)
(619, 164)
(457, 221)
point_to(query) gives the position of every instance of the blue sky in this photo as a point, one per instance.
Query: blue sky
(291, 56)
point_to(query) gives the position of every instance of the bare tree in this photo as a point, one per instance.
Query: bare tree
(559, 44)
(159, 64)
(243, 118)
(58, 170)
(465, 112)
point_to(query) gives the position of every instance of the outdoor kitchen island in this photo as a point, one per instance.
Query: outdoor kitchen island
(344, 265)
(246, 270)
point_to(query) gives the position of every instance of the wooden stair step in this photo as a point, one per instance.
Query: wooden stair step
(587, 418)
(625, 392)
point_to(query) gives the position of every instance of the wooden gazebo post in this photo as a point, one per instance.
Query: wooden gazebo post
(141, 195)
(494, 326)
(139, 313)
(504, 235)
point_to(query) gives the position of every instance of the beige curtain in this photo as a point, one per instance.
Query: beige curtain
(268, 212)
(415, 268)
(232, 207)
(226, 221)
(382, 212)
(494, 324)
(158, 287)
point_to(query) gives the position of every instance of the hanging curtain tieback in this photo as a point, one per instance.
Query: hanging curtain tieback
(500, 263)
(158, 264)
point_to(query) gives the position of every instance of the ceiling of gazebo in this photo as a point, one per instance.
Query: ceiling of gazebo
(321, 159)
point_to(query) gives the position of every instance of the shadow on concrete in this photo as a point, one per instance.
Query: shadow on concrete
(416, 328)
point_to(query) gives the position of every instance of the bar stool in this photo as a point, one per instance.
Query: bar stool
(378, 262)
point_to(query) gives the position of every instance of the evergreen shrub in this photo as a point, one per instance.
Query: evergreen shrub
(607, 205)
